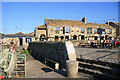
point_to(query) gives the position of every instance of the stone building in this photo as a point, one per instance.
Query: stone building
(1, 37)
(117, 26)
(60, 29)
(23, 39)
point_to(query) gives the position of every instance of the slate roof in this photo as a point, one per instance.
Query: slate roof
(20, 34)
(117, 23)
(62, 22)
(102, 25)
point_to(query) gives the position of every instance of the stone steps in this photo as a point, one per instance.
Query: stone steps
(98, 74)
(99, 69)
(113, 71)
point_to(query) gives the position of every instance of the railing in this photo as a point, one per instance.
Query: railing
(99, 68)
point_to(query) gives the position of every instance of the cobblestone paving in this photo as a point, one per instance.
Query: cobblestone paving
(107, 55)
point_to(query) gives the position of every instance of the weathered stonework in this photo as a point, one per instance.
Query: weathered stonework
(56, 51)
(49, 30)
(72, 68)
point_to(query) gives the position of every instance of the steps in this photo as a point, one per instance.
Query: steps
(98, 68)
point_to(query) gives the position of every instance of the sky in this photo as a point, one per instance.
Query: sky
(25, 16)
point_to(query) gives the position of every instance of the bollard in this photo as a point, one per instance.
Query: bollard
(72, 68)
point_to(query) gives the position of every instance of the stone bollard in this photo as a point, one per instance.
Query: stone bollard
(72, 68)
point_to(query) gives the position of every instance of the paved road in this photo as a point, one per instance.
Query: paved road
(107, 55)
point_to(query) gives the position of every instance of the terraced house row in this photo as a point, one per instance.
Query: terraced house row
(60, 29)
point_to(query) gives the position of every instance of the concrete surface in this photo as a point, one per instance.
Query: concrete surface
(107, 55)
(36, 69)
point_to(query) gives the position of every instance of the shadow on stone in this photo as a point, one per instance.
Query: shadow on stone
(61, 72)
(46, 69)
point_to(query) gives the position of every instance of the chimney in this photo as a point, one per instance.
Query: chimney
(107, 23)
(45, 18)
(84, 19)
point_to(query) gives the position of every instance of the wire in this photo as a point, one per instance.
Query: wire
(107, 20)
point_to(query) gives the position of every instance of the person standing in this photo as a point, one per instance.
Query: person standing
(115, 43)
(103, 44)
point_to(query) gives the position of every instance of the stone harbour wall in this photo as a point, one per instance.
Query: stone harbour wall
(56, 51)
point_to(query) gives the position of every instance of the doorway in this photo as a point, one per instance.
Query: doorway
(42, 37)
(75, 37)
(56, 38)
(20, 41)
(67, 37)
(82, 37)
(106, 37)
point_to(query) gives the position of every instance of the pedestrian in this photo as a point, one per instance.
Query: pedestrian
(92, 44)
(103, 43)
(115, 43)
(112, 43)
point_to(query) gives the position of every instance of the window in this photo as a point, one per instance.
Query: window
(63, 30)
(95, 30)
(67, 29)
(82, 30)
(103, 31)
(27, 40)
(36, 38)
(110, 30)
(57, 30)
(89, 30)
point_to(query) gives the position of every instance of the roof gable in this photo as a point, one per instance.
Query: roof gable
(42, 26)
(19, 34)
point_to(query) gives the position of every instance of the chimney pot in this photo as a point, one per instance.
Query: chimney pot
(107, 23)
(84, 19)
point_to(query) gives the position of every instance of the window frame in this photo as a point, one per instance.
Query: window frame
(83, 30)
(57, 29)
(89, 30)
